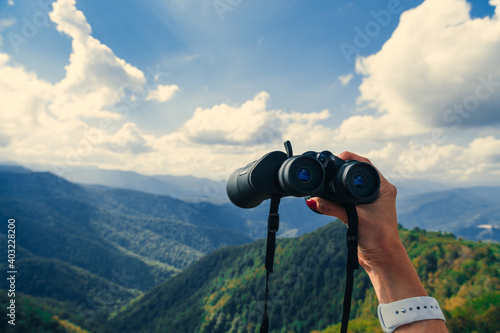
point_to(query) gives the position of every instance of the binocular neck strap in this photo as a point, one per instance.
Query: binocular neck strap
(352, 262)
(273, 222)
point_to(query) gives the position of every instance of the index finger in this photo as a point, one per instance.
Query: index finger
(347, 155)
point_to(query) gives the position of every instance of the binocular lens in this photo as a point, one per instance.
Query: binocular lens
(304, 174)
(301, 175)
(359, 181)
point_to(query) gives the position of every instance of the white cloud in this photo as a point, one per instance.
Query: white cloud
(5, 23)
(408, 82)
(439, 72)
(217, 140)
(232, 124)
(437, 57)
(162, 93)
(345, 79)
(49, 122)
(453, 163)
(96, 78)
(129, 139)
(250, 123)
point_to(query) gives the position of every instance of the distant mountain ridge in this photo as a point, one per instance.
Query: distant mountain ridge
(186, 188)
(417, 207)
(472, 213)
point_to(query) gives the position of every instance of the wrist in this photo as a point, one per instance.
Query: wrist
(416, 314)
(393, 275)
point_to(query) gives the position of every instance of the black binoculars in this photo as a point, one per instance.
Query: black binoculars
(310, 174)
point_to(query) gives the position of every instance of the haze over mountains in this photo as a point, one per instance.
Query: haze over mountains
(472, 213)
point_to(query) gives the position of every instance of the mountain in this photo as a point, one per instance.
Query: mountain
(224, 291)
(194, 189)
(186, 188)
(78, 244)
(421, 203)
(118, 238)
(116, 260)
(197, 196)
(472, 213)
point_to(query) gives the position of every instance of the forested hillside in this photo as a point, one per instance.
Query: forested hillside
(97, 249)
(106, 230)
(224, 291)
(113, 260)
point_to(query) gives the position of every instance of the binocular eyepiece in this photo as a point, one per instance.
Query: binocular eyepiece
(310, 174)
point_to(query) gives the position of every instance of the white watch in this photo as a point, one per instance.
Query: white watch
(407, 311)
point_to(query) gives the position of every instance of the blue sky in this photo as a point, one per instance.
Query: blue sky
(205, 85)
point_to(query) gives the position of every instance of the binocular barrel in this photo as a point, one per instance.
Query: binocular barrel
(310, 174)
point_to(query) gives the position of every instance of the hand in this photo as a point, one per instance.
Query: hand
(380, 250)
(378, 226)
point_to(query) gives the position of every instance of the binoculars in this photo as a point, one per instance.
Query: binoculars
(313, 174)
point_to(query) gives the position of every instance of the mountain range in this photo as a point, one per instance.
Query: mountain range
(117, 239)
(94, 256)
(472, 213)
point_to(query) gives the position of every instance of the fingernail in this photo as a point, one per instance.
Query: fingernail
(312, 204)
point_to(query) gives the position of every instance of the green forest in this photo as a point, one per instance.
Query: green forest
(106, 260)
(224, 291)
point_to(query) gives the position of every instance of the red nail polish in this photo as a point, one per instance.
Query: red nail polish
(312, 204)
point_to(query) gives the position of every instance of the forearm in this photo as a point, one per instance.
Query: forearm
(395, 279)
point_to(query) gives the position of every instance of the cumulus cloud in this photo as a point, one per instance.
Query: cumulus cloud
(460, 163)
(436, 80)
(438, 65)
(217, 140)
(95, 78)
(129, 139)
(250, 123)
(410, 83)
(162, 93)
(49, 122)
(227, 124)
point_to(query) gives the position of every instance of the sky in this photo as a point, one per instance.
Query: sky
(185, 87)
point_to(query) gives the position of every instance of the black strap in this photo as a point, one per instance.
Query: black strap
(273, 223)
(352, 262)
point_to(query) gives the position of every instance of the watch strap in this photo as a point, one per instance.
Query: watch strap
(405, 311)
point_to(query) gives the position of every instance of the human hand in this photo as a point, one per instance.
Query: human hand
(380, 250)
(377, 228)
